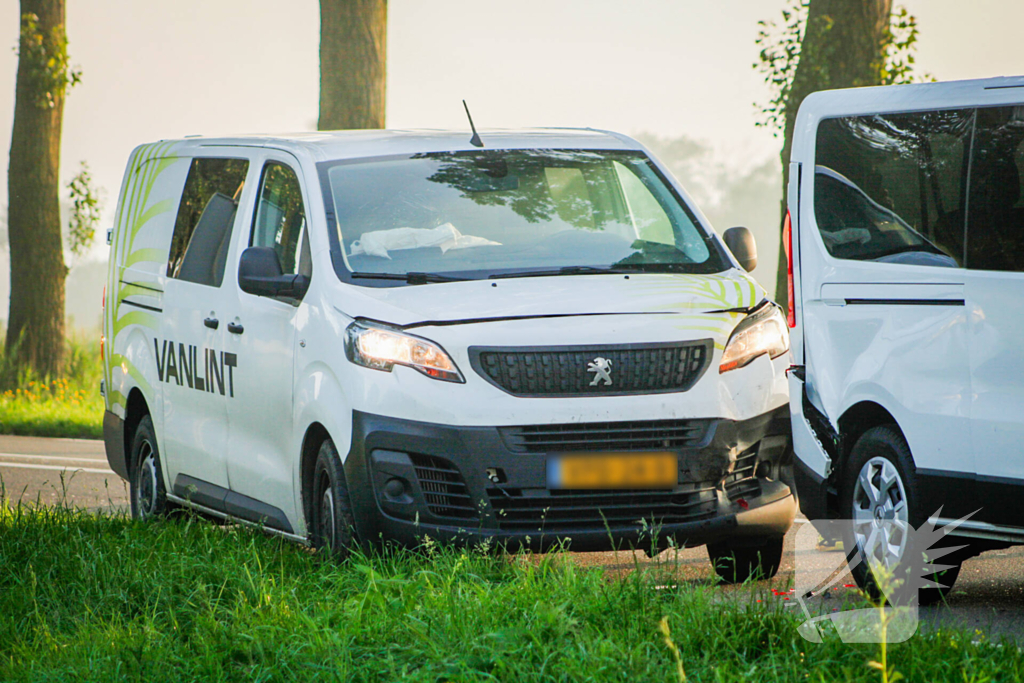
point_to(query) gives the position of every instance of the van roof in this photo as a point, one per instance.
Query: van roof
(912, 97)
(824, 104)
(352, 144)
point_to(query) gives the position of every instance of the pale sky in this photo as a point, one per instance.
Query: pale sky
(155, 70)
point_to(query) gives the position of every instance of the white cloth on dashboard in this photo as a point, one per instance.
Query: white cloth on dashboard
(447, 236)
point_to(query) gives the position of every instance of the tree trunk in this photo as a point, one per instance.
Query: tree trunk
(35, 326)
(353, 41)
(844, 46)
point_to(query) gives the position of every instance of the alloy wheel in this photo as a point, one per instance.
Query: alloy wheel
(880, 514)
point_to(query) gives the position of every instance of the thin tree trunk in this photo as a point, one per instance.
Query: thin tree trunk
(35, 326)
(844, 46)
(353, 42)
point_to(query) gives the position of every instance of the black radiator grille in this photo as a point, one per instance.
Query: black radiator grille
(559, 511)
(606, 436)
(565, 370)
(742, 483)
(443, 487)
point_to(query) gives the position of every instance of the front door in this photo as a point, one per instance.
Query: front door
(262, 451)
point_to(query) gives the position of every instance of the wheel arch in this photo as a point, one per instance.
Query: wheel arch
(852, 424)
(314, 437)
(136, 408)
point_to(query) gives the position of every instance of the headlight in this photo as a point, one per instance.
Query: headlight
(382, 348)
(762, 332)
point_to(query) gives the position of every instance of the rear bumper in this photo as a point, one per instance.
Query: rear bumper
(409, 480)
(113, 441)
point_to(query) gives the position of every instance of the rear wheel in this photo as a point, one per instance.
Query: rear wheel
(881, 498)
(148, 496)
(736, 564)
(333, 527)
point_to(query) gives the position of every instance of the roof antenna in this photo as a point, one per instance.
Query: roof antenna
(475, 140)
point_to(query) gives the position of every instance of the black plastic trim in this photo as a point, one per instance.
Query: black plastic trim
(708, 345)
(113, 442)
(812, 491)
(230, 503)
(375, 457)
(143, 286)
(999, 499)
(148, 308)
(905, 302)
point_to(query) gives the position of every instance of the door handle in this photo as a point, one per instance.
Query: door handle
(212, 323)
(235, 328)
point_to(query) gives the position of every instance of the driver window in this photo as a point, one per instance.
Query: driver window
(280, 221)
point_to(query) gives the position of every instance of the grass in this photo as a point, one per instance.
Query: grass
(97, 598)
(66, 407)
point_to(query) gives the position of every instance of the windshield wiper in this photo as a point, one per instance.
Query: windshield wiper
(564, 270)
(411, 278)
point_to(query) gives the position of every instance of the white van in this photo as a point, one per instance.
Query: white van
(398, 334)
(907, 311)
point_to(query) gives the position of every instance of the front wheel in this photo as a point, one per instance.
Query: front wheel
(736, 564)
(884, 537)
(333, 527)
(146, 484)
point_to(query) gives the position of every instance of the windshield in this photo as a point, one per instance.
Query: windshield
(507, 213)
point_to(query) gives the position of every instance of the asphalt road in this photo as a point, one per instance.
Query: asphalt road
(988, 596)
(47, 471)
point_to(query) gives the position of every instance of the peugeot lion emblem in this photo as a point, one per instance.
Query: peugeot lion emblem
(603, 368)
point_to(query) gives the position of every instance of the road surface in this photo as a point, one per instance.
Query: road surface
(47, 471)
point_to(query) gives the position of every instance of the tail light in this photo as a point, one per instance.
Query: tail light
(787, 241)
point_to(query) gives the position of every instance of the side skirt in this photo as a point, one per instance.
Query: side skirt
(227, 504)
(223, 515)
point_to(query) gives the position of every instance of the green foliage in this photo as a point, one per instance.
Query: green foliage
(41, 406)
(779, 57)
(47, 65)
(85, 211)
(781, 52)
(898, 68)
(98, 598)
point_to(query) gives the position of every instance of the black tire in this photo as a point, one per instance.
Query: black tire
(333, 527)
(146, 486)
(736, 564)
(877, 446)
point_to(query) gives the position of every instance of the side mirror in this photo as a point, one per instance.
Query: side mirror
(741, 243)
(259, 273)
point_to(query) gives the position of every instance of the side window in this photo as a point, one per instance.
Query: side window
(995, 229)
(891, 188)
(202, 230)
(280, 221)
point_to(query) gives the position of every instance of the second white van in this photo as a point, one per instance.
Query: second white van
(906, 247)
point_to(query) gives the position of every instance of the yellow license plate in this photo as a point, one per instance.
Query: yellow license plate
(613, 471)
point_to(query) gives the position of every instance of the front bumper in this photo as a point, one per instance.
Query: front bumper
(409, 480)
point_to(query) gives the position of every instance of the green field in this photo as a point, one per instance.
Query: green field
(94, 598)
(66, 407)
